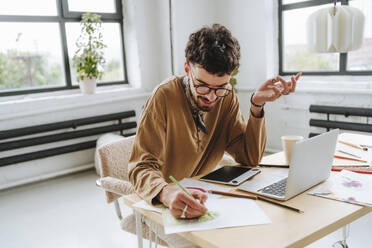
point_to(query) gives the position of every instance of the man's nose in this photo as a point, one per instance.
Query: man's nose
(211, 96)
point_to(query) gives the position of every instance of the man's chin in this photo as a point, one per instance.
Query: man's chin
(205, 108)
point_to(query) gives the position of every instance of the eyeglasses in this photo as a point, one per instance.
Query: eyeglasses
(205, 90)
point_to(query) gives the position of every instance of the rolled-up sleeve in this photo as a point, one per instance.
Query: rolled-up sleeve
(245, 142)
(145, 164)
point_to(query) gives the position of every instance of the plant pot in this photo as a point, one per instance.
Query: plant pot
(88, 85)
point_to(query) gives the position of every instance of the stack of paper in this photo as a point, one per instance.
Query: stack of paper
(347, 186)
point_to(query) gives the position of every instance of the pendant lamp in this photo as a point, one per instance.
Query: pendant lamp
(337, 29)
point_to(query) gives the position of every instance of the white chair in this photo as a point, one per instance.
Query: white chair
(113, 160)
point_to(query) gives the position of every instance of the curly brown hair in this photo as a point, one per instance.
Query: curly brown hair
(214, 49)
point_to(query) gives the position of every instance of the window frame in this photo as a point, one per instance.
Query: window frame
(343, 56)
(65, 16)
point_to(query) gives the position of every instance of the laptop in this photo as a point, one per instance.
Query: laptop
(311, 164)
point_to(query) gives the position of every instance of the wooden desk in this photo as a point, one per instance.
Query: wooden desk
(288, 229)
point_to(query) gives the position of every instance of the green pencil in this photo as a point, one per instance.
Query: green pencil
(181, 187)
(207, 214)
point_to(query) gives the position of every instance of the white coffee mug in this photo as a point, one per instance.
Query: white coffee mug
(287, 143)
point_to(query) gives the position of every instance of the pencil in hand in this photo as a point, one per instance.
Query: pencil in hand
(184, 189)
(181, 187)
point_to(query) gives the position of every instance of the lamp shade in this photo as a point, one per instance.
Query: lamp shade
(335, 30)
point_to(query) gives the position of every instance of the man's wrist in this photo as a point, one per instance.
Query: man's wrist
(160, 196)
(256, 109)
(257, 112)
(255, 104)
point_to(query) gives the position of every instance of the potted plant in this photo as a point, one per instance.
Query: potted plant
(89, 58)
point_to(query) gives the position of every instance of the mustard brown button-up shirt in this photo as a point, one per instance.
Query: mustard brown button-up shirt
(169, 143)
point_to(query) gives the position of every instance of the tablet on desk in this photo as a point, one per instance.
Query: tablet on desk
(230, 175)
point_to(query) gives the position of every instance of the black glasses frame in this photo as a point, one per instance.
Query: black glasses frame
(197, 86)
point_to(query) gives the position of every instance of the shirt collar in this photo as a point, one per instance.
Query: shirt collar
(197, 113)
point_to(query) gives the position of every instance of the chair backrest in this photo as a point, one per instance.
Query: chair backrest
(114, 158)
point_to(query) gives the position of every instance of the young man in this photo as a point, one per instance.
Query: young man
(189, 122)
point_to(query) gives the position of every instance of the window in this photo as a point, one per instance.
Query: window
(294, 55)
(38, 44)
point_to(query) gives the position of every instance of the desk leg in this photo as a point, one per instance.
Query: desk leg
(139, 229)
(345, 235)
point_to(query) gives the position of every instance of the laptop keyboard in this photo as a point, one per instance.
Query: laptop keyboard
(277, 188)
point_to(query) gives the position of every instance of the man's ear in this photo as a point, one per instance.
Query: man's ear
(187, 68)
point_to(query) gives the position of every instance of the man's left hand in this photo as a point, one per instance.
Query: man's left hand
(274, 88)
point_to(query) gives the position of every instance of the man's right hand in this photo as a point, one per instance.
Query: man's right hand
(176, 200)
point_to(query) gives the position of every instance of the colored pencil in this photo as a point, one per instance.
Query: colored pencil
(274, 165)
(353, 159)
(279, 204)
(353, 145)
(181, 187)
(254, 198)
(348, 153)
(357, 171)
(217, 192)
(351, 165)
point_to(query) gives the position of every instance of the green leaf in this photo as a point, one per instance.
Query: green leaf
(89, 55)
(233, 80)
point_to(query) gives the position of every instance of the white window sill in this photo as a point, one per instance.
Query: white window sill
(73, 93)
(336, 84)
(41, 103)
(330, 84)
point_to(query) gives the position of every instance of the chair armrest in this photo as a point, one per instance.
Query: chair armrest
(115, 185)
(109, 182)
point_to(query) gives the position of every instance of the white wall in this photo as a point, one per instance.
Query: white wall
(247, 21)
(189, 16)
(147, 41)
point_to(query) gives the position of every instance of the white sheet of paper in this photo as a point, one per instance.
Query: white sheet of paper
(188, 182)
(143, 204)
(230, 212)
(347, 186)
